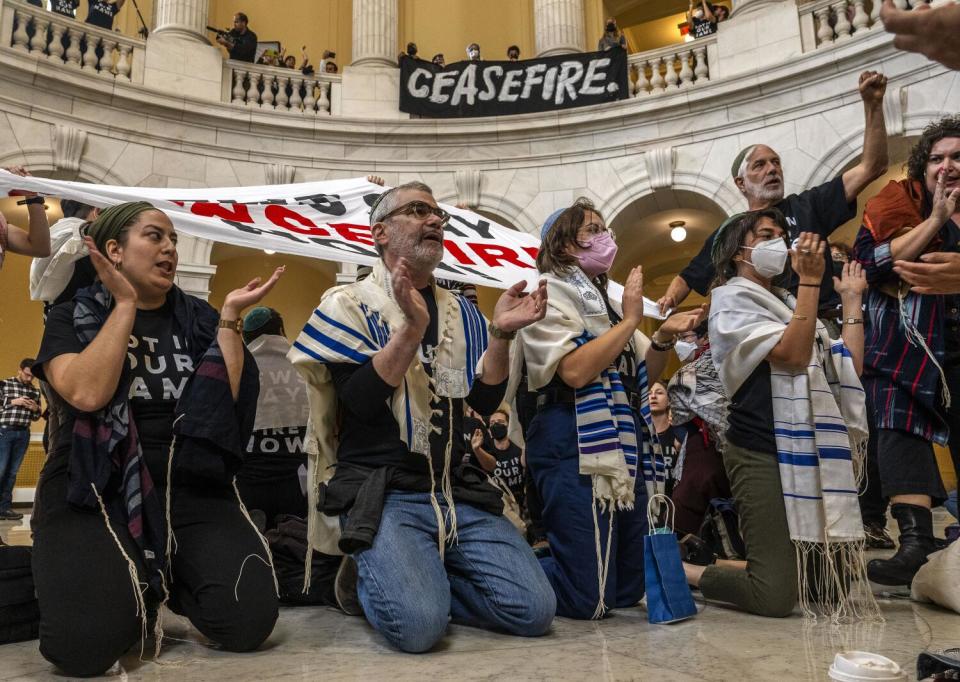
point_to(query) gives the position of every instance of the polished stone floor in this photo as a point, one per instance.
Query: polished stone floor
(719, 644)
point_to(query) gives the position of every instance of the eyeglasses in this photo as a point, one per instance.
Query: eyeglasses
(592, 230)
(421, 211)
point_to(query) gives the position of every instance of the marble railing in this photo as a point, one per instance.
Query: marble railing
(77, 45)
(671, 67)
(826, 22)
(271, 87)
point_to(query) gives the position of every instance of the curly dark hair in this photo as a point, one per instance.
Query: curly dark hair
(732, 237)
(948, 126)
(553, 256)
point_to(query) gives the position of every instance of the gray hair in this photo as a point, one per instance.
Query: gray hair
(389, 200)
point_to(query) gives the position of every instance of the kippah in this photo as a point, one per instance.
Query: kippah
(257, 317)
(548, 223)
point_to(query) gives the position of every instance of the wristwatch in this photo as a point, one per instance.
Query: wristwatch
(498, 333)
(236, 325)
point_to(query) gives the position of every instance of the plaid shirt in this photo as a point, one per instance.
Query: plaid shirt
(17, 416)
(901, 382)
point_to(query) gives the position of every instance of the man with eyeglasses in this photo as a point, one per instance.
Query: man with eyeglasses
(390, 361)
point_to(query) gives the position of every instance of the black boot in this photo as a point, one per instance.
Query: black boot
(916, 542)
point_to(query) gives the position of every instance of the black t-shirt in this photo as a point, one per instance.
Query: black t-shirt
(751, 413)
(158, 368)
(668, 446)
(84, 274)
(244, 45)
(273, 453)
(821, 210)
(67, 8)
(509, 469)
(101, 13)
(369, 433)
(703, 28)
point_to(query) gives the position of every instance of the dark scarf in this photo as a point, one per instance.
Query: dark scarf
(106, 454)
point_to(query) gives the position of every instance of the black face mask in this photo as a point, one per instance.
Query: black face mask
(611, 27)
(837, 268)
(498, 431)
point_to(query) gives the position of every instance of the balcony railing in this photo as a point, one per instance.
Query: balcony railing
(672, 67)
(77, 45)
(271, 87)
(830, 22)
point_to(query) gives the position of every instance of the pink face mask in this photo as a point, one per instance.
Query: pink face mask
(597, 257)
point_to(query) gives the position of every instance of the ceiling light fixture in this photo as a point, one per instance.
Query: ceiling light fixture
(269, 252)
(677, 231)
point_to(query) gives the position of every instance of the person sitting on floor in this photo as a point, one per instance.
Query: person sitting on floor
(157, 399)
(390, 362)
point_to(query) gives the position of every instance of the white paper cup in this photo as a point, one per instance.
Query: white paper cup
(859, 666)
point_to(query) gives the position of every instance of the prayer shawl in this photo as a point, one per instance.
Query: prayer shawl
(352, 324)
(283, 392)
(820, 428)
(49, 276)
(611, 450)
(209, 430)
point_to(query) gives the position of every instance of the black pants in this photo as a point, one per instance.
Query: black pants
(271, 483)
(873, 504)
(952, 371)
(87, 606)
(908, 466)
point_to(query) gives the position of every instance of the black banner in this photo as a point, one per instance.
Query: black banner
(485, 88)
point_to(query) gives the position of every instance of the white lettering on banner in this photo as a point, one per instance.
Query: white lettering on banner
(489, 87)
(533, 78)
(419, 90)
(510, 82)
(466, 86)
(594, 74)
(328, 220)
(570, 73)
(440, 81)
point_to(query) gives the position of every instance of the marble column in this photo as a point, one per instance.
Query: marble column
(185, 18)
(741, 7)
(375, 33)
(559, 26)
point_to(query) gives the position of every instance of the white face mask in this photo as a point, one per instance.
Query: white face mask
(685, 350)
(769, 257)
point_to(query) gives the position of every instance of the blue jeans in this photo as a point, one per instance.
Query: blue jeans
(489, 578)
(13, 446)
(554, 460)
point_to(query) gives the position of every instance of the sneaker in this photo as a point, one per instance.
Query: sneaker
(877, 536)
(10, 515)
(345, 587)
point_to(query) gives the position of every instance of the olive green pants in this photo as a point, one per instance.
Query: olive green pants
(768, 587)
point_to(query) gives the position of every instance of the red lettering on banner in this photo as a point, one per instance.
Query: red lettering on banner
(281, 216)
(178, 203)
(457, 252)
(532, 251)
(354, 233)
(492, 254)
(237, 212)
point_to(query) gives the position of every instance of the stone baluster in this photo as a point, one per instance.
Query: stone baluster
(73, 49)
(310, 95)
(842, 27)
(296, 99)
(649, 67)
(671, 77)
(90, 54)
(283, 99)
(875, 6)
(55, 49)
(239, 93)
(124, 65)
(106, 58)
(21, 41)
(323, 104)
(701, 69)
(861, 20)
(558, 26)
(253, 94)
(634, 79)
(375, 33)
(38, 43)
(657, 81)
(824, 30)
(686, 73)
(266, 97)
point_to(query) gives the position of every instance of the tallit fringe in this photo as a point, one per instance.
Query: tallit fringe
(916, 339)
(603, 558)
(266, 546)
(832, 582)
(132, 572)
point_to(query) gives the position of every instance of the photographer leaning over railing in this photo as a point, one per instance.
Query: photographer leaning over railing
(240, 41)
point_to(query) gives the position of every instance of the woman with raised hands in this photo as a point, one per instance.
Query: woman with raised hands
(590, 446)
(136, 506)
(797, 425)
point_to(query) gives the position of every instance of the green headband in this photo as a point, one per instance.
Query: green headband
(111, 221)
(718, 235)
(737, 162)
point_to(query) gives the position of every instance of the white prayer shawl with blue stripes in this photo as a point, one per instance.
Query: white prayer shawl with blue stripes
(610, 448)
(352, 323)
(820, 427)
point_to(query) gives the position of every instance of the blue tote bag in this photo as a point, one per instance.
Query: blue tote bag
(668, 595)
